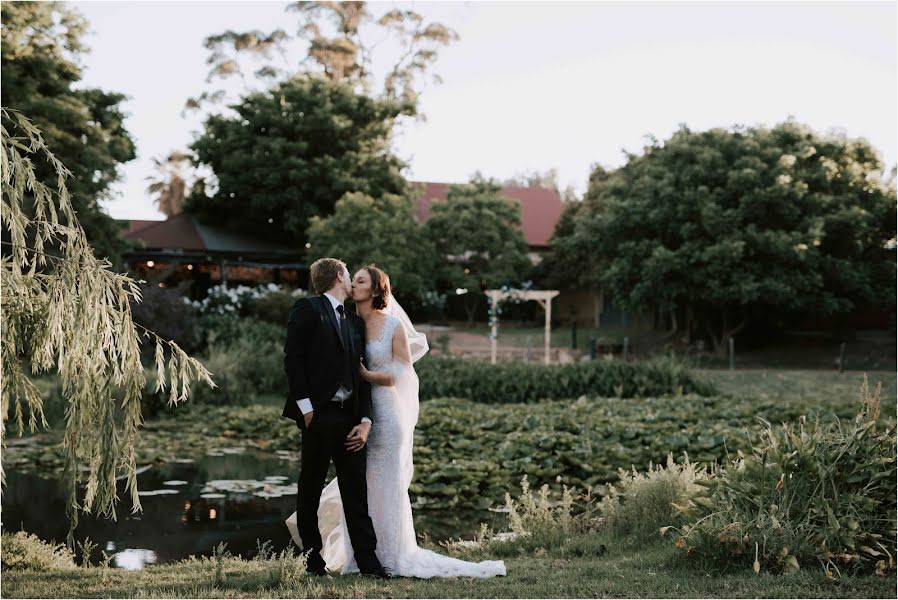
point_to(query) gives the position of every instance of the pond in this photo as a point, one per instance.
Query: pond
(189, 507)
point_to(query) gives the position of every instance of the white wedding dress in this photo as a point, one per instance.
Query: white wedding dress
(389, 473)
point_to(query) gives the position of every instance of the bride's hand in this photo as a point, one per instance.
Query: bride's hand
(364, 372)
(375, 377)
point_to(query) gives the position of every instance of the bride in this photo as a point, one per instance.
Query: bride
(392, 346)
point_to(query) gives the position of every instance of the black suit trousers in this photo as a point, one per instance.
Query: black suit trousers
(322, 442)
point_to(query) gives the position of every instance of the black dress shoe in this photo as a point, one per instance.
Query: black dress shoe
(318, 572)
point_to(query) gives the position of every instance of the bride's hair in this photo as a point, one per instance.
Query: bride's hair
(380, 287)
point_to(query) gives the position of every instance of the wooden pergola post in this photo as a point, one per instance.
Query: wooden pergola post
(543, 297)
(495, 297)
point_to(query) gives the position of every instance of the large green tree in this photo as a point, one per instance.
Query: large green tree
(41, 49)
(363, 230)
(711, 227)
(478, 236)
(291, 152)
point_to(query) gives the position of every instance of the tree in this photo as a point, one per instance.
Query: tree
(337, 39)
(477, 234)
(535, 179)
(563, 265)
(169, 185)
(711, 227)
(290, 153)
(41, 47)
(64, 309)
(363, 230)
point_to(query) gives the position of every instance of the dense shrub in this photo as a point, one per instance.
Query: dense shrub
(273, 307)
(245, 357)
(243, 370)
(227, 338)
(225, 331)
(164, 311)
(806, 495)
(27, 551)
(520, 382)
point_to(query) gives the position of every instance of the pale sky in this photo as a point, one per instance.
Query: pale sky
(541, 85)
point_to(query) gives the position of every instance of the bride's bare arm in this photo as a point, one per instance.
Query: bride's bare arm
(401, 350)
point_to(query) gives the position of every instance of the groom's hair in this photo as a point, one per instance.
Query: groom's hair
(380, 287)
(324, 273)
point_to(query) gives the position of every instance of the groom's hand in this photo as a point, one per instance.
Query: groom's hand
(358, 437)
(308, 417)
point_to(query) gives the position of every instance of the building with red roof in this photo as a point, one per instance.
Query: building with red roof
(210, 254)
(540, 209)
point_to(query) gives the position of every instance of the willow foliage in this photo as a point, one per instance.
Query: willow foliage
(64, 309)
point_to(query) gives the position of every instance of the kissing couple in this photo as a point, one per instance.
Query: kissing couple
(353, 393)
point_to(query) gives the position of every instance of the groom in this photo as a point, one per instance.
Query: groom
(331, 404)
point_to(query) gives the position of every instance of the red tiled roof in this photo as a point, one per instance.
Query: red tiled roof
(135, 226)
(174, 232)
(540, 209)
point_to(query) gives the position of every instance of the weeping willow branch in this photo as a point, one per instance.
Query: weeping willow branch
(68, 311)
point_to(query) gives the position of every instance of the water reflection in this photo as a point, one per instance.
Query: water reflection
(132, 559)
(189, 507)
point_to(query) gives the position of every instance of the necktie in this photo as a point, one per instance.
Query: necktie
(347, 347)
(344, 327)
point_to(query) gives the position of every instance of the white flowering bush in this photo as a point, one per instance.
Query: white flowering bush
(224, 300)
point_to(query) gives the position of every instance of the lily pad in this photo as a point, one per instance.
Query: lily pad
(264, 494)
(161, 492)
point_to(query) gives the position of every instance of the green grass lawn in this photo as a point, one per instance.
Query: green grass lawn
(826, 388)
(635, 570)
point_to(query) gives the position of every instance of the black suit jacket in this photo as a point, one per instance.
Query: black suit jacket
(314, 357)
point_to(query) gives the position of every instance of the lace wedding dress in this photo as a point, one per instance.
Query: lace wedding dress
(389, 473)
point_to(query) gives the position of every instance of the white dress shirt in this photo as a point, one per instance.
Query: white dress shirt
(305, 405)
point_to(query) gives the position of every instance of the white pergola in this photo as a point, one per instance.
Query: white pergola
(544, 297)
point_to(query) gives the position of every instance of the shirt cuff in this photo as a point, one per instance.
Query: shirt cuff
(366, 420)
(305, 406)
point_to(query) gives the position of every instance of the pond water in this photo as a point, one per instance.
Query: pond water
(191, 506)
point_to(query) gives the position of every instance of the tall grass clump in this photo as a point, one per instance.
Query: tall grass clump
(808, 495)
(535, 514)
(23, 550)
(641, 504)
(538, 523)
(283, 569)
